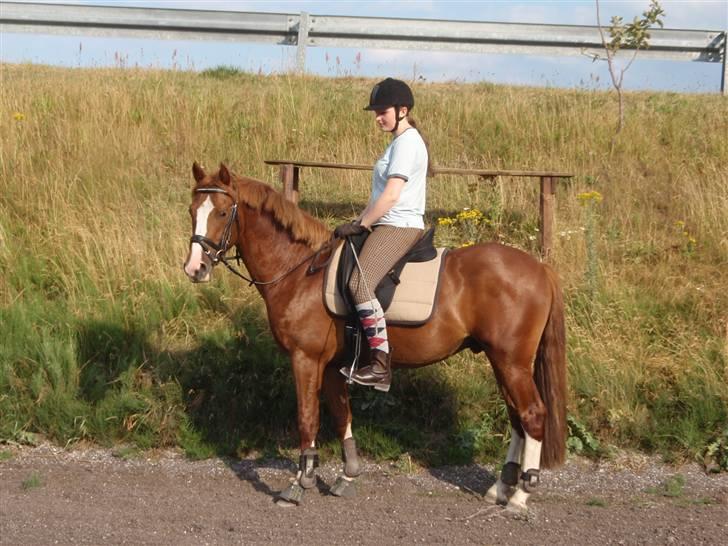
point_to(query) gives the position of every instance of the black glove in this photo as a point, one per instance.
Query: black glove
(348, 229)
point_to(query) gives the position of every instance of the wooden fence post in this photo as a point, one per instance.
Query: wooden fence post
(546, 221)
(289, 179)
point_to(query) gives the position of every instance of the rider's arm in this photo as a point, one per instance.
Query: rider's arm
(386, 201)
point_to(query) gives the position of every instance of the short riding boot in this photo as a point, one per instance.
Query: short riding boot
(378, 374)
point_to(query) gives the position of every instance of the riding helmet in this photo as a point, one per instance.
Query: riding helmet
(390, 92)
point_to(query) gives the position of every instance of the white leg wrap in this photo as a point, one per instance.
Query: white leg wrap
(531, 461)
(531, 454)
(515, 448)
(500, 491)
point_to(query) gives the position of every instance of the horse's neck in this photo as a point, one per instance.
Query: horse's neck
(268, 250)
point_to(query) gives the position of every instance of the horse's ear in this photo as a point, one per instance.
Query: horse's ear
(198, 172)
(224, 174)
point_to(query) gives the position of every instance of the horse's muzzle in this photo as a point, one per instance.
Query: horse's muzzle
(199, 272)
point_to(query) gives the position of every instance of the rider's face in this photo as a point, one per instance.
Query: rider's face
(386, 119)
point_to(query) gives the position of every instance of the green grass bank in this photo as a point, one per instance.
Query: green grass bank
(106, 341)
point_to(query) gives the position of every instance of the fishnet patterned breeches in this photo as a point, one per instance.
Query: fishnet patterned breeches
(382, 249)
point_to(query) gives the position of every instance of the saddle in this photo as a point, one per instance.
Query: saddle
(407, 293)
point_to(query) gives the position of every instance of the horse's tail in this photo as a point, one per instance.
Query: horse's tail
(550, 376)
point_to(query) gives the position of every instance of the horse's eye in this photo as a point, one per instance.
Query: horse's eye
(223, 213)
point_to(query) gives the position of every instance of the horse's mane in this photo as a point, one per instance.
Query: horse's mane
(302, 226)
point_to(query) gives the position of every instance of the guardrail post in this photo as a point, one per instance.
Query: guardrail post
(289, 179)
(546, 220)
(724, 78)
(303, 26)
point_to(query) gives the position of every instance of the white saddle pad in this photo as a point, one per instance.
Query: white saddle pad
(414, 297)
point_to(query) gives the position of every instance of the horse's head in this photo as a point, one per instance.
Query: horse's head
(214, 226)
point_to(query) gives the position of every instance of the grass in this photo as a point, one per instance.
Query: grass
(105, 340)
(5, 455)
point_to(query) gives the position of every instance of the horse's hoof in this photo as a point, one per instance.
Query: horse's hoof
(516, 509)
(291, 495)
(498, 494)
(491, 495)
(307, 482)
(343, 488)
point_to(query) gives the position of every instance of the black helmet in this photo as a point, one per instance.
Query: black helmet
(390, 92)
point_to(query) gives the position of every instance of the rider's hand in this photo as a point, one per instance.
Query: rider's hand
(348, 229)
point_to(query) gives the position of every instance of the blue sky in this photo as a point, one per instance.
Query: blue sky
(75, 51)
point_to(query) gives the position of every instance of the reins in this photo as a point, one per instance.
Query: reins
(224, 245)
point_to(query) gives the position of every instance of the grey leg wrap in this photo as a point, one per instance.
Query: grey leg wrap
(530, 480)
(509, 473)
(352, 468)
(307, 465)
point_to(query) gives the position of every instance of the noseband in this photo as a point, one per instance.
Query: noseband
(216, 251)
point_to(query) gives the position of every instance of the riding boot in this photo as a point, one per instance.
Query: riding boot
(378, 374)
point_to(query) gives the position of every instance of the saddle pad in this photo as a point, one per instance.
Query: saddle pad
(414, 297)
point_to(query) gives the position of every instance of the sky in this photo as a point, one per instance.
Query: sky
(565, 71)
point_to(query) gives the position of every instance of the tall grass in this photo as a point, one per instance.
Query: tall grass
(105, 340)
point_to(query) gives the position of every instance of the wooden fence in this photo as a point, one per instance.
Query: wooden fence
(290, 175)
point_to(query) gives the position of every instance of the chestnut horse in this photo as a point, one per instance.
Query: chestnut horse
(492, 298)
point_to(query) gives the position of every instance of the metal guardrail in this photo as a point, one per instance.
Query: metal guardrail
(306, 30)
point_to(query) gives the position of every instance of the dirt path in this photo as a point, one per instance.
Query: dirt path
(50, 496)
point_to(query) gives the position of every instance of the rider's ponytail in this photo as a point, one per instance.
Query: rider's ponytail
(430, 167)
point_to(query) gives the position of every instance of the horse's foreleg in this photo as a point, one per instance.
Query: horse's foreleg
(308, 383)
(337, 398)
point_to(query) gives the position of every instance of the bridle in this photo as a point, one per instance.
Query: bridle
(216, 251)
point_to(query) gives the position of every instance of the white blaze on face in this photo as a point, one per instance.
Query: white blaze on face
(203, 213)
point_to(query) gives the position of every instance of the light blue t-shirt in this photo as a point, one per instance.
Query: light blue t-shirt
(405, 158)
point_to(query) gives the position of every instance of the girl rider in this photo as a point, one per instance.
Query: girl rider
(394, 216)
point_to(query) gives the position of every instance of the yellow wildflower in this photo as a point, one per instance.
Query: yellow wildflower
(18, 116)
(590, 196)
(445, 221)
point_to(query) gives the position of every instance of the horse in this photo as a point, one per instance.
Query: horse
(492, 298)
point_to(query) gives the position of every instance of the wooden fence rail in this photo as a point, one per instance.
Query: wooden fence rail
(290, 175)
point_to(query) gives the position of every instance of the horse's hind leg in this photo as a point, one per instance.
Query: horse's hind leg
(502, 489)
(336, 394)
(527, 409)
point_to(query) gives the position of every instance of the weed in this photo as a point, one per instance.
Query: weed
(5, 455)
(594, 501)
(672, 487)
(715, 454)
(32, 482)
(590, 200)
(126, 452)
(580, 440)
